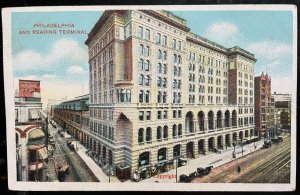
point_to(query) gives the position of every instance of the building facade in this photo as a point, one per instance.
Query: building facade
(263, 104)
(158, 91)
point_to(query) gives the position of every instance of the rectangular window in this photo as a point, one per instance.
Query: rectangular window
(147, 34)
(174, 113)
(148, 115)
(164, 42)
(179, 45)
(179, 114)
(140, 32)
(141, 115)
(158, 114)
(174, 43)
(165, 114)
(158, 38)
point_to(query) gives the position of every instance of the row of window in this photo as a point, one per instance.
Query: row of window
(146, 115)
(101, 43)
(161, 133)
(101, 114)
(102, 130)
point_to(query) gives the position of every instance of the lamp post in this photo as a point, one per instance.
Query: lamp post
(176, 164)
(242, 146)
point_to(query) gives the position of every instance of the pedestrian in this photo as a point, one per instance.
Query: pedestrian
(239, 169)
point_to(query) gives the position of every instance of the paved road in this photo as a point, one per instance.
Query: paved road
(263, 166)
(79, 171)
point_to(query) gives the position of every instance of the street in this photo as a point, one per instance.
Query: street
(78, 170)
(270, 165)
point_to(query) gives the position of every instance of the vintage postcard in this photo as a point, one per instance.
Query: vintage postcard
(151, 98)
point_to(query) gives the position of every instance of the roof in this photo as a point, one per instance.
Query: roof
(36, 133)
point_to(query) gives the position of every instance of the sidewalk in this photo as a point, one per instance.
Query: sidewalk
(96, 169)
(203, 161)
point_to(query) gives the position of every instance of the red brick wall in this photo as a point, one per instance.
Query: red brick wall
(232, 86)
(28, 87)
(128, 60)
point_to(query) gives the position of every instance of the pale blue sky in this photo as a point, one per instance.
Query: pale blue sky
(61, 60)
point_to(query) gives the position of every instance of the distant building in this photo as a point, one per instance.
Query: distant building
(52, 102)
(30, 135)
(73, 116)
(282, 110)
(263, 111)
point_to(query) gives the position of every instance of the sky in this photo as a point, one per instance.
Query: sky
(60, 61)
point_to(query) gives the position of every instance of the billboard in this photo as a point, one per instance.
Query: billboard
(29, 88)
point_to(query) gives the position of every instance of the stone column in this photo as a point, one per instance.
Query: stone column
(153, 156)
(205, 146)
(24, 159)
(223, 142)
(195, 149)
(183, 149)
(195, 125)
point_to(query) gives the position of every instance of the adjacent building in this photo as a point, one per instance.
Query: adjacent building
(158, 91)
(263, 104)
(30, 134)
(282, 110)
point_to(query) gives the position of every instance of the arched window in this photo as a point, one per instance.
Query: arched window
(179, 59)
(141, 48)
(175, 71)
(159, 81)
(159, 97)
(175, 58)
(128, 95)
(165, 55)
(147, 80)
(164, 82)
(179, 71)
(174, 130)
(165, 97)
(179, 84)
(179, 98)
(148, 134)
(141, 79)
(159, 68)
(141, 135)
(122, 95)
(179, 129)
(174, 97)
(165, 68)
(141, 64)
(141, 96)
(159, 54)
(158, 133)
(147, 96)
(165, 135)
(147, 51)
(147, 65)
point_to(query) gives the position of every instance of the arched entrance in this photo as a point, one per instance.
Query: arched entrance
(211, 143)
(144, 159)
(241, 135)
(227, 140)
(162, 154)
(234, 137)
(246, 134)
(219, 142)
(190, 150)
(176, 151)
(251, 133)
(189, 124)
(201, 147)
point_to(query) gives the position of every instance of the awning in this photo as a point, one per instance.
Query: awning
(43, 153)
(34, 114)
(36, 133)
